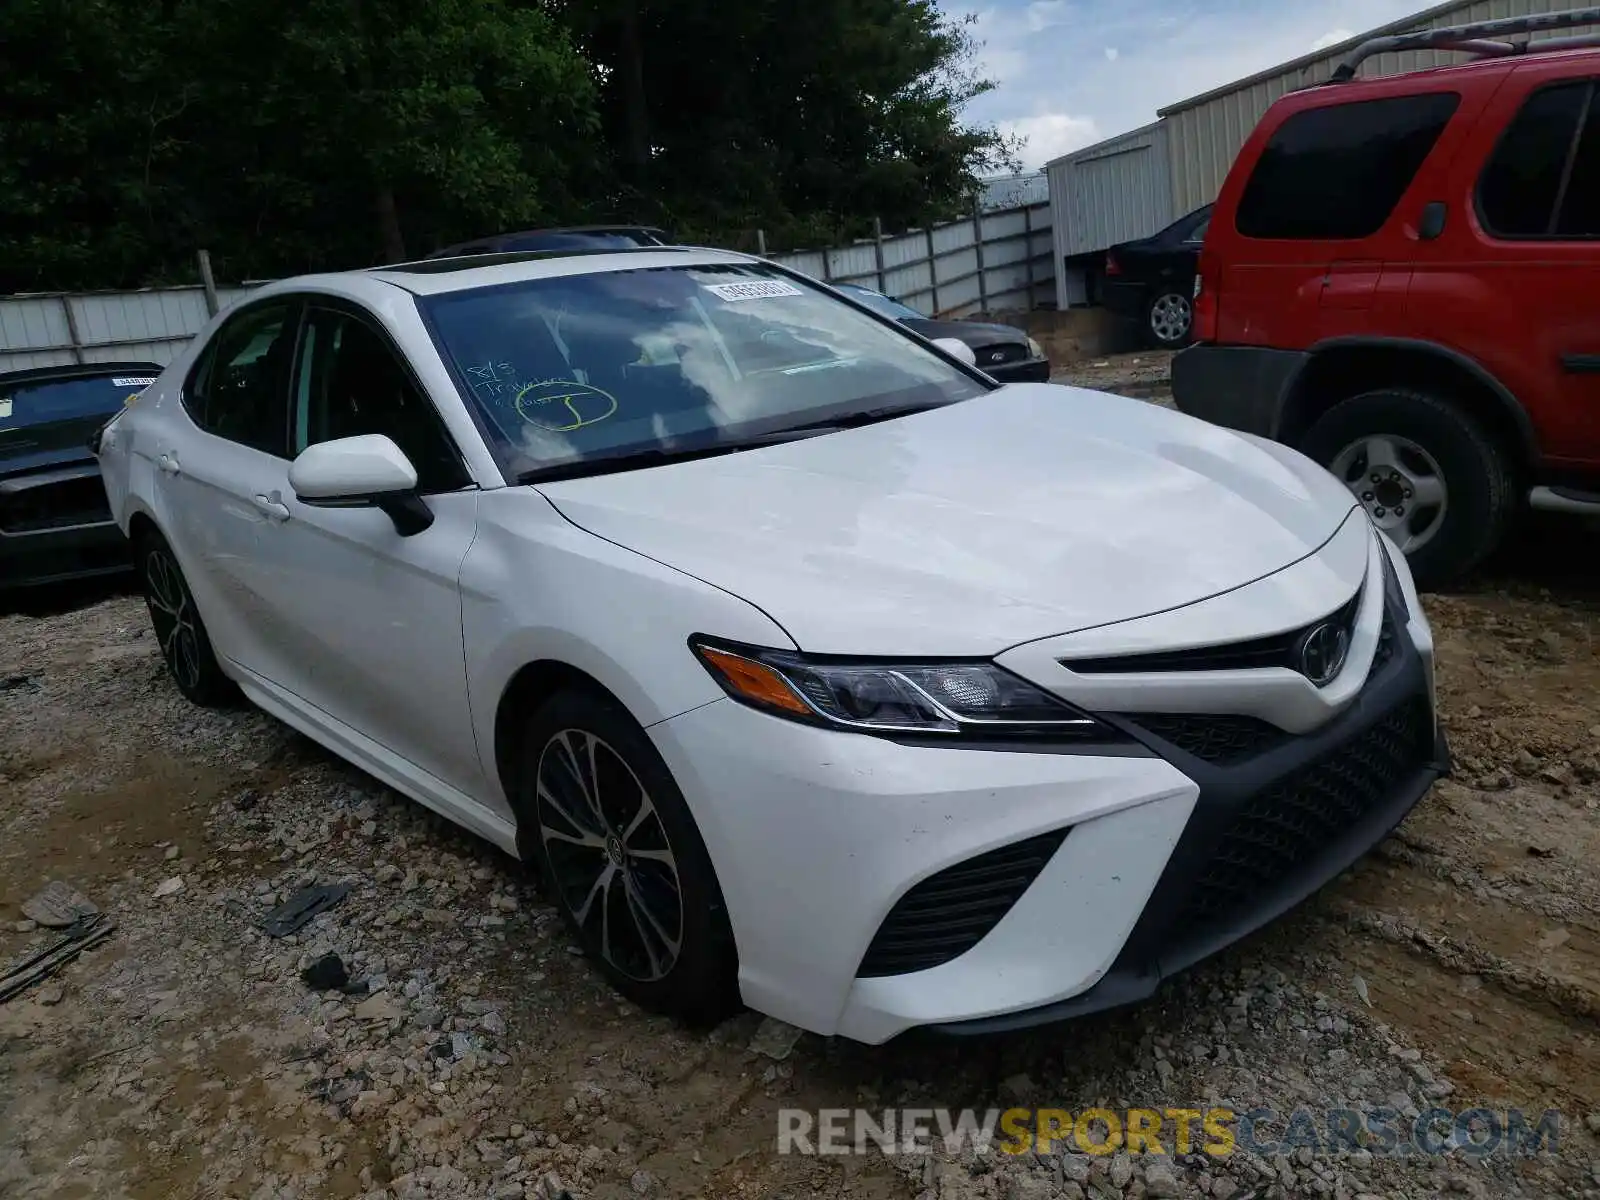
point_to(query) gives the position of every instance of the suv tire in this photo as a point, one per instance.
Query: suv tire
(618, 832)
(1475, 478)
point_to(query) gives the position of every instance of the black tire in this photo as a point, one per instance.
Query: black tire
(621, 875)
(1478, 474)
(180, 633)
(1162, 334)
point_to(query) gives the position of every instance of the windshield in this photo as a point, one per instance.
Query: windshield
(880, 303)
(590, 367)
(51, 400)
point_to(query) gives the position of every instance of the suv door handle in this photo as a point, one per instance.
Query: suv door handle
(274, 508)
(168, 464)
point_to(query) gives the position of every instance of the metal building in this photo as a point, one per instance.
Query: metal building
(1135, 184)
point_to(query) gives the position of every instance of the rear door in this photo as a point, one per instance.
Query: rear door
(1514, 282)
(219, 466)
(1320, 246)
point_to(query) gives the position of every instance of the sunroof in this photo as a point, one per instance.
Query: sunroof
(471, 262)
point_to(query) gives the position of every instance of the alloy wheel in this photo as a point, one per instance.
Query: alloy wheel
(172, 614)
(1400, 485)
(609, 855)
(1170, 317)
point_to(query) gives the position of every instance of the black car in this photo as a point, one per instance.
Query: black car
(55, 523)
(1152, 280)
(573, 237)
(1003, 352)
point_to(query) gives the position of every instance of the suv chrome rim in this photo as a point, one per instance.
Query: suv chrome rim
(1169, 317)
(1400, 485)
(172, 615)
(609, 854)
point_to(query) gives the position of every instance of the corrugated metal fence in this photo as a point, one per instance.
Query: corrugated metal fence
(990, 262)
(147, 326)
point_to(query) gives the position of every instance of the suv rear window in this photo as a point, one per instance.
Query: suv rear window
(1336, 173)
(1544, 177)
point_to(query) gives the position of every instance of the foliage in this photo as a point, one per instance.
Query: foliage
(297, 135)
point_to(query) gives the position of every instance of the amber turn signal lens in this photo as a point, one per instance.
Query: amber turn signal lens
(756, 682)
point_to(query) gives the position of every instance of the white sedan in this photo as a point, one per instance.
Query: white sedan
(809, 666)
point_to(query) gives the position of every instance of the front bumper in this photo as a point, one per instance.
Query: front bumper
(1269, 832)
(1031, 370)
(1238, 387)
(844, 859)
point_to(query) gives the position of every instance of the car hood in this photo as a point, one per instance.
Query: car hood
(974, 333)
(1030, 511)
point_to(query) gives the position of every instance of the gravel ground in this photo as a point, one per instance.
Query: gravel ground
(477, 1056)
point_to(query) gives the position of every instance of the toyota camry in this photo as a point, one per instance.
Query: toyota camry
(808, 666)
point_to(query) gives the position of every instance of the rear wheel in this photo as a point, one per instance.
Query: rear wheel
(180, 633)
(1169, 319)
(621, 856)
(1427, 472)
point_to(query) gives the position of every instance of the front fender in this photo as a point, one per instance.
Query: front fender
(536, 588)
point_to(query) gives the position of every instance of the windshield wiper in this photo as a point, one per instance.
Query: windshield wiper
(866, 416)
(657, 456)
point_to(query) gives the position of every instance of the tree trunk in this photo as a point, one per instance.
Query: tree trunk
(636, 117)
(394, 246)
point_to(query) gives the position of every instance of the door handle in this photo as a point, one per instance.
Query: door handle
(168, 464)
(273, 507)
(1581, 364)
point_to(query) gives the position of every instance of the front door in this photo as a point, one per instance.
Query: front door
(371, 620)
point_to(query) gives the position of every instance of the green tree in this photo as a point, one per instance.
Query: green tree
(283, 135)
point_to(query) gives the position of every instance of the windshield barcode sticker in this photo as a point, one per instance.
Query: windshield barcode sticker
(764, 289)
(5, 408)
(137, 381)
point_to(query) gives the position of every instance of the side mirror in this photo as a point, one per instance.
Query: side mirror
(369, 471)
(956, 348)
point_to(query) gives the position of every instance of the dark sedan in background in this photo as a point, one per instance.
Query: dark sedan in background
(55, 523)
(569, 238)
(1003, 352)
(1151, 280)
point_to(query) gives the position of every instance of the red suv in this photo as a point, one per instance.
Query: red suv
(1402, 280)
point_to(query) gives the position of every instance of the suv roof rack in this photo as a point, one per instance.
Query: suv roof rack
(1481, 40)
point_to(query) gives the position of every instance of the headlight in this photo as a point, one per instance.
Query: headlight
(971, 700)
(1034, 349)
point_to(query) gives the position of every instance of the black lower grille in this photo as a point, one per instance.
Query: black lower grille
(1215, 737)
(80, 501)
(1285, 828)
(948, 914)
(1386, 636)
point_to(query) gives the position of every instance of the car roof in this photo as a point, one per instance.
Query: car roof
(80, 371)
(438, 276)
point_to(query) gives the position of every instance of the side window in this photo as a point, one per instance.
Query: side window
(1198, 233)
(1543, 179)
(1336, 173)
(349, 383)
(238, 389)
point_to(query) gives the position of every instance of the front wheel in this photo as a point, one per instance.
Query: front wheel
(621, 856)
(1428, 473)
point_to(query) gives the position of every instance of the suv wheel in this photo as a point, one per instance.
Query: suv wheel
(1427, 473)
(1168, 318)
(619, 853)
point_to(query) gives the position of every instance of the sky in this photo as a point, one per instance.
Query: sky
(1072, 72)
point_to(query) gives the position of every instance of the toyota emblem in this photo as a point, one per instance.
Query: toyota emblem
(1323, 651)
